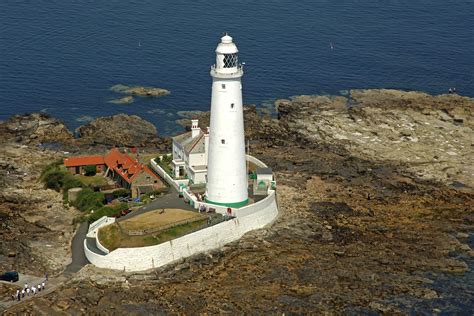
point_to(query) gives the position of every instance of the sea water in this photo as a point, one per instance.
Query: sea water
(61, 57)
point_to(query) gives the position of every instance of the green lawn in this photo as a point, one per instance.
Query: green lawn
(92, 180)
(112, 238)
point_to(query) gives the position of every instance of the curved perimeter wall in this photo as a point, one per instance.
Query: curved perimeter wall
(137, 259)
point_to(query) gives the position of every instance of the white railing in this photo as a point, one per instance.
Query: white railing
(176, 183)
(239, 71)
(255, 161)
(97, 223)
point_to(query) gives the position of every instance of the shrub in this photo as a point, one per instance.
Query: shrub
(90, 170)
(69, 182)
(121, 193)
(107, 211)
(54, 166)
(54, 179)
(88, 200)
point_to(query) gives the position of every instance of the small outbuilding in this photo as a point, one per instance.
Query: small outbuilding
(263, 181)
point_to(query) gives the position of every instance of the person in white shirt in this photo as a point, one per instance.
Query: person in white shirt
(23, 293)
(42, 285)
(33, 288)
(28, 291)
(39, 287)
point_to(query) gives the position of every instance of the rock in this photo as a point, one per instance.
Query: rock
(119, 130)
(462, 235)
(140, 91)
(465, 247)
(125, 100)
(393, 126)
(429, 294)
(63, 304)
(34, 128)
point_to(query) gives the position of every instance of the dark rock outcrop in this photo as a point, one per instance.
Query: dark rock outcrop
(119, 130)
(34, 128)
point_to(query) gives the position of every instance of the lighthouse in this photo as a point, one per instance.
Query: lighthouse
(226, 168)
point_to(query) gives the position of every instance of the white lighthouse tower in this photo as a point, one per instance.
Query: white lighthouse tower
(226, 173)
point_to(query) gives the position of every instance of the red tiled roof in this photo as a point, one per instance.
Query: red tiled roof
(127, 167)
(83, 161)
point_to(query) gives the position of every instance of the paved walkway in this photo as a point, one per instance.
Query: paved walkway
(170, 200)
(78, 261)
(77, 249)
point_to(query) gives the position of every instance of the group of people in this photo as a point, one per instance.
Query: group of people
(27, 290)
(452, 90)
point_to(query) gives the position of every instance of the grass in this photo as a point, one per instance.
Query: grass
(109, 237)
(108, 210)
(91, 180)
(145, 158)
(154, 219)
(112, 237)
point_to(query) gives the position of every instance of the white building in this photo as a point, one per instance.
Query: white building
(217, 157)
(227, 177)
(190, 154)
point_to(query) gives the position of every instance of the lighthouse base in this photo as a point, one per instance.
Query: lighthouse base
(233, 205)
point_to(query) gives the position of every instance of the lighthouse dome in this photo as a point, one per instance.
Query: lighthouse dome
(226, 39)
(226, 46)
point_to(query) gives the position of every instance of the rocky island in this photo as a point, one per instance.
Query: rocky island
(139, 91)
(376, 197)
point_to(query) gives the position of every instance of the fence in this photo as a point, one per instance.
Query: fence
(161, 228)
(101, 221)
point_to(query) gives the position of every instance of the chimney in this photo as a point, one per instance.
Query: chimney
(195, 128)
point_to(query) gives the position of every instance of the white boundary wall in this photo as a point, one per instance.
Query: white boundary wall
(223, 209)
(166, 177)
(137, 259)
(248, 218)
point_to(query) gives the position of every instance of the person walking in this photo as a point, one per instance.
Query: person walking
(33, 288)
(23, 293)
(42, 285)
(39, 287)
(18, 295)
(28, 291)
(13, 297)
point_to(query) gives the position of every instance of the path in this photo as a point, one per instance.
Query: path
(77, 262)
(170, 200)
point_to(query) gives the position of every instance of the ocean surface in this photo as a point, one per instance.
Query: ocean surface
(61, 56)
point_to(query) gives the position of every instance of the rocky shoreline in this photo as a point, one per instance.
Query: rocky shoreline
(375, 191)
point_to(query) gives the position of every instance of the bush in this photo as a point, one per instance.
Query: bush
(69, 182)
(88, 200)
(121, 193)
(107, 211)
(54, 166)
(157, 192)
(90, 170)
(53, 179)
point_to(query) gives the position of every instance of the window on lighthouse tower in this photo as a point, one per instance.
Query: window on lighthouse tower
(230, 60)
